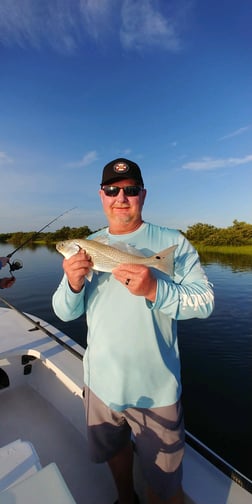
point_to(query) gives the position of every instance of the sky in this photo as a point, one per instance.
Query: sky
(167, 84)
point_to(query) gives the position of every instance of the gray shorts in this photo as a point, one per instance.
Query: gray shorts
(158, 434)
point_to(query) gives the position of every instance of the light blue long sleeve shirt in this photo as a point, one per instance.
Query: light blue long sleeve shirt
(132, 356)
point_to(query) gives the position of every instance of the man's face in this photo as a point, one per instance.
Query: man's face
(124, 213)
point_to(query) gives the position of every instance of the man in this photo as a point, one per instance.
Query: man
(131, 364)
(5, 282)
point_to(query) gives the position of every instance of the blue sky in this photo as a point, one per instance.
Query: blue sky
(167, 84)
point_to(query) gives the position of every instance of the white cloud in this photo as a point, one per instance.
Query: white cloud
(39, 23)
(208, 163)
(96, 15)
(143, 25)
(65, 25)
(5, 159)
(237, 132)
(86, 160)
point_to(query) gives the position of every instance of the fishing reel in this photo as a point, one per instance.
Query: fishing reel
(16, 265)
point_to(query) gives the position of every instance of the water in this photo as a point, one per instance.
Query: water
(216, 357)
(216, 353)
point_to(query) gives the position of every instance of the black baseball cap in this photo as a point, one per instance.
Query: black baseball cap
(121, 169)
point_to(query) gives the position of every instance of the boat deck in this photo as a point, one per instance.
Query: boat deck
(44, 407)
(27, 415)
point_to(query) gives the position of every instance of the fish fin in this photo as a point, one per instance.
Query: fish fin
(164, 260)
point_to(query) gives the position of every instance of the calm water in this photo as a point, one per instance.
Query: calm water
(216, 353)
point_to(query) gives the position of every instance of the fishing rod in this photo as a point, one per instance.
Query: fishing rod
(37, 326)
(18, 264)
(39, 231)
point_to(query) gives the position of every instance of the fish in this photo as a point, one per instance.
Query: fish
(105, 257)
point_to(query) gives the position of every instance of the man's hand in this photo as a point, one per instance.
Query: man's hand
(76, 268)
(138, 279)
(7, 282)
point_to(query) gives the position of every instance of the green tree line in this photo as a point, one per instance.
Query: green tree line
(240, 233)
(65, 233)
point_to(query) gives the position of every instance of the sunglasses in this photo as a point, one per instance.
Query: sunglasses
(130, 190)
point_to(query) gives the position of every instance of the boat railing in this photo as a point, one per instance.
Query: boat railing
(221, 464)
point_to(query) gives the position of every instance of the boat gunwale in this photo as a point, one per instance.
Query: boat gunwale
(218, 462)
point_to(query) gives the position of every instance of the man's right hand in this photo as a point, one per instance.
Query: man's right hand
(76, 268)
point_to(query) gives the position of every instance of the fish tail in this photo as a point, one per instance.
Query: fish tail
(164, 260)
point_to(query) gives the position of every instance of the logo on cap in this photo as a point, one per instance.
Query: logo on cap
(120, 168)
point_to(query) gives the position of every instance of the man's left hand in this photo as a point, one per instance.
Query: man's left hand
(138, 279)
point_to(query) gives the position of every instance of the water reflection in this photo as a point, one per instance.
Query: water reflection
(29, 246)
(237, 262)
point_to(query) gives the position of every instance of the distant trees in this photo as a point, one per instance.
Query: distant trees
(240, 233)
(199, 232)
(4, 237)
(65, 233)
(20, 237)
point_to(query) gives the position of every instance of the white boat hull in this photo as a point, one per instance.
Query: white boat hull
(43, 405)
